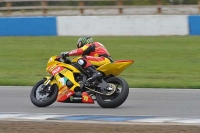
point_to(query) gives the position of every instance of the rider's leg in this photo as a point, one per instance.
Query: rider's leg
(95, 74)
(88, 62)
(90, 68)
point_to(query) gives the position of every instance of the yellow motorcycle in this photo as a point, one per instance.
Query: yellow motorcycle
(68, 83)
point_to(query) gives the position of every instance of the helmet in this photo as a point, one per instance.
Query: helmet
(84, 40)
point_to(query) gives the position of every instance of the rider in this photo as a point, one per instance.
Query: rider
(93, 54)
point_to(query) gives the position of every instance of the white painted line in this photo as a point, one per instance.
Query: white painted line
(38, 117)
(52, 117)
(4, 116)
(28, 116)
(157, 119)
(188, 120)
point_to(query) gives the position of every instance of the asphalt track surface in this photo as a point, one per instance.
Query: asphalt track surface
(140, 102)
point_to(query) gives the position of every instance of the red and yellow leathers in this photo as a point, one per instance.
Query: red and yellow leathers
(95, 54)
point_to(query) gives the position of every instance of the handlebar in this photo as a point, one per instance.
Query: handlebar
(65, 59)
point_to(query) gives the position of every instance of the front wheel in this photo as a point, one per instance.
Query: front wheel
(118, 97)
(42, 96)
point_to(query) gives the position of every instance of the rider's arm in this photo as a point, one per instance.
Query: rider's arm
(75, 52)
(81, 51)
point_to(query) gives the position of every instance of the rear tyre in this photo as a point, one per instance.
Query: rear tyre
(116, 99)
(43, 97)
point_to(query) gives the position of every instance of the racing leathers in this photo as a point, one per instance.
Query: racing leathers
(94, 54)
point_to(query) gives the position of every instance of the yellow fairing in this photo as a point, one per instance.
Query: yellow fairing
(67, 72)
(75, 59)
(115, 68)
(70, 76)
(72, 68)
(52, 62)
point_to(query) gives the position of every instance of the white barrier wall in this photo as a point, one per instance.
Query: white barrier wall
(134, 25)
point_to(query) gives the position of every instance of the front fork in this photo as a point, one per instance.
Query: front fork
(46, 86)
(48, 80)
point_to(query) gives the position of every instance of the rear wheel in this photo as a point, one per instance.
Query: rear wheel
(43, 96)
(118, 97)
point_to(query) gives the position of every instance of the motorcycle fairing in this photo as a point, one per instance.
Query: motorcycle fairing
(115, 68)
(86, 98)
(55, 69)
(63, 72)
(53, 63)
(64, 93)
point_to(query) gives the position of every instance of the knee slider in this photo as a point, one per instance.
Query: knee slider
(82, 62)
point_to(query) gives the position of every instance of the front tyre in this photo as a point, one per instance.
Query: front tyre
(117, 98)
(43, 96)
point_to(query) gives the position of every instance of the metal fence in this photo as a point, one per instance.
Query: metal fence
(8, 7)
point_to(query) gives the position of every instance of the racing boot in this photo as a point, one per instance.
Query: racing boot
(95, 74)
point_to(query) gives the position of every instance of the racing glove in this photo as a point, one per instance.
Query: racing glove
(64, 54)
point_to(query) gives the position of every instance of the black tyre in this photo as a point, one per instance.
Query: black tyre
(117, 98)
(40, 97)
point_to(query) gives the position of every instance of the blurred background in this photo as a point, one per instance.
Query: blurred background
(97, 7)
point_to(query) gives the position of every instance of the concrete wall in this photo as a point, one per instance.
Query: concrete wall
(130, 25)
(145, 25)
(194, 25)
(28, 26)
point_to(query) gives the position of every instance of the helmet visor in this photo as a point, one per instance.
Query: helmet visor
(79, 44)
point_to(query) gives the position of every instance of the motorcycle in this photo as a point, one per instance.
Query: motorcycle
(68, 84)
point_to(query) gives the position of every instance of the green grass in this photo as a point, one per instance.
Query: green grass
(160, 62)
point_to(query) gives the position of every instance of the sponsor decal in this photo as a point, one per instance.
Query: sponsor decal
(69, 94)
(57, 70)
(63, 90)
(71, 98)
(85, 98)
(66, 91)
(64, 94)
(75, 98)
(50, 68)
